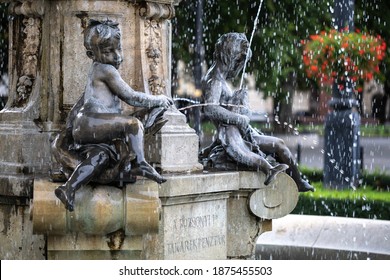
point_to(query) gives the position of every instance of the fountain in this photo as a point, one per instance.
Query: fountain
(195, 214)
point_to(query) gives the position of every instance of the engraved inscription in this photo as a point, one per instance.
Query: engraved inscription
(196, 230)
(195, 222)
(185, 246)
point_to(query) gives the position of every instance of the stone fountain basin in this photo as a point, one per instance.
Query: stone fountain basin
(301, 237)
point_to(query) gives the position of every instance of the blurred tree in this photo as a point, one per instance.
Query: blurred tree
(278, 66)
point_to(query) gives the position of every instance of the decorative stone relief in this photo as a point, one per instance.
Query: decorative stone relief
(24, 87)
(30, 25)
(154, 14)
(157, 11)
(153, 52)
(29, 8)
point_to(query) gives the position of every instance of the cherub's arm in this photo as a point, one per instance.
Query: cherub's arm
(135, 98)
(240, 98)
(212, 94)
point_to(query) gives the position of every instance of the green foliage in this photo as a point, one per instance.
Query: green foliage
(361, 203)
(311, 128)
(277, 48)
(374, 16)
(365, 130)
(376, 180)
(312, 174)
(375, 131)
(371, 200)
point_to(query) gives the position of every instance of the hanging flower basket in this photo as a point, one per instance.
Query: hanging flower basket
(342, 57)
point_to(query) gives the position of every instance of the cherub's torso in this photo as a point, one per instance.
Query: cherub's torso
(218, 87)
(98, 96)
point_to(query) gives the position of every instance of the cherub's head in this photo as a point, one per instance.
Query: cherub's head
(231, 50)
(102, 39)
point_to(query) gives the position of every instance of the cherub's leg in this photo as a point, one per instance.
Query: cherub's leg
(136, 144)
(67, 159)
(241, 153)
(93, 165)
(104, 128)
(276, 145)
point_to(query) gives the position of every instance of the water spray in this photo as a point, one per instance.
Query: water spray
(250, 43)
(197, 104)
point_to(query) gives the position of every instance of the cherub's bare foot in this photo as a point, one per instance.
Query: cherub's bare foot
(304, 186)
(275, 171)
(146, 170)
(66, 196)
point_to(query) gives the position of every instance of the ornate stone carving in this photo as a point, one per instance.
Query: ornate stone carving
(28, 58)
(29, 8)
(24, 87)
(153, 53)
(157, 11)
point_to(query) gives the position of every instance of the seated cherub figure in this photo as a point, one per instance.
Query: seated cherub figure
(244, 144)
(240, 150)
(99, 134)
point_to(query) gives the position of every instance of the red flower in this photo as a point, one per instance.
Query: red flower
(344, 45)
(314, 68)
(333, 55)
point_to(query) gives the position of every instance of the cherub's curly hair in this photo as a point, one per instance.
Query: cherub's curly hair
(102, 31)
(229, 47)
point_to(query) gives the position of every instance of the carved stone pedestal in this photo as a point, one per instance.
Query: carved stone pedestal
(175, 147)
(201, 216)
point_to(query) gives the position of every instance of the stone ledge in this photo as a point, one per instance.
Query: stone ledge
(199, 183)
(210, 182)
(93, 247)
(276, 200)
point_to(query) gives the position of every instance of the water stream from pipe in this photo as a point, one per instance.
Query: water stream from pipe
(250, 42)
